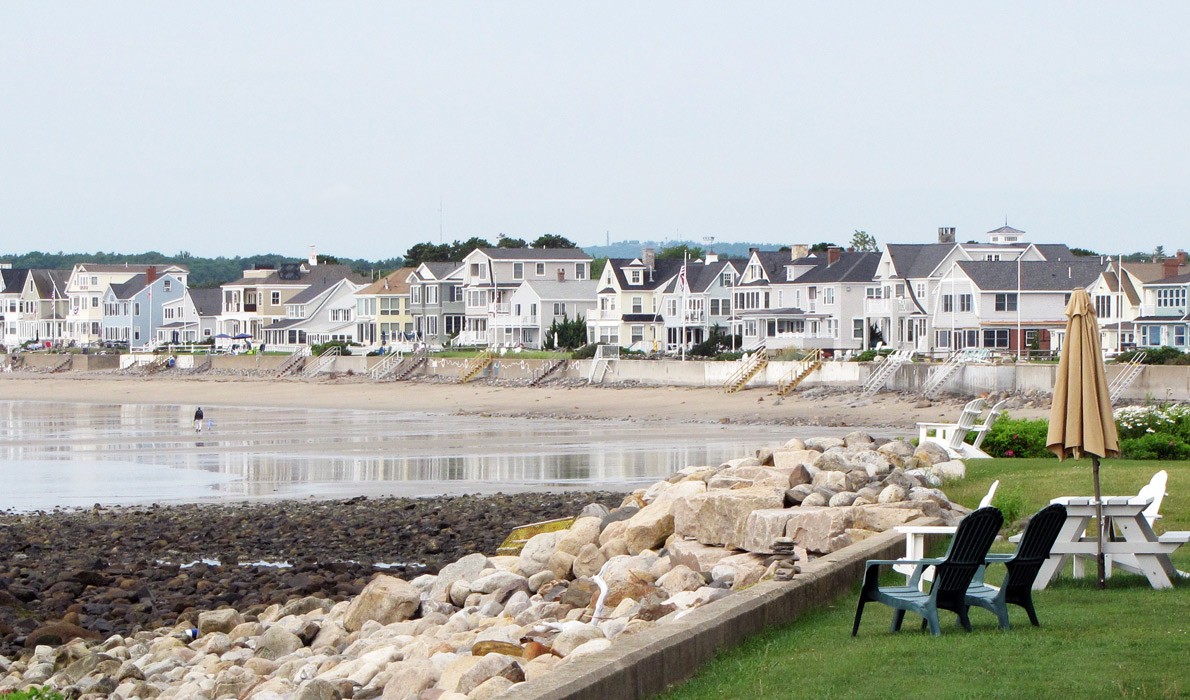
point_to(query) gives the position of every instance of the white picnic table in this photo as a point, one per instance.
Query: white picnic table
(1136, 547)
(915, 549)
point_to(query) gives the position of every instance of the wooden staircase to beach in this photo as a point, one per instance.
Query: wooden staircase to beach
(64, 365)
(749, 368)
(804, 368)
(884, 372)
(546, 372)
(324, 362)
(295, 361)
(478, 364)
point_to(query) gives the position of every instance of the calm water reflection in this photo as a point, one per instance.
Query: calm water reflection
(78, 454)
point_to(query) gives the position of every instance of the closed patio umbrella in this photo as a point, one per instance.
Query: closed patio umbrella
(1081, 419)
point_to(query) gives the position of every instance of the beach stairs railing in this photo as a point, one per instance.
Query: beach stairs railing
(387, 365)
(515, 542)
(884, 372)
(605, 355)
(157, 364)
(295, 361)
(1128, 375)
(749, 368)
(957, 360)
(64, 365)
(804, 368)
(324, 362)
(477, 364)
(547, 371)
(408, 366)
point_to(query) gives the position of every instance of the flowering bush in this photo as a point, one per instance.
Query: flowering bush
(1017, 437)
(1138, 421)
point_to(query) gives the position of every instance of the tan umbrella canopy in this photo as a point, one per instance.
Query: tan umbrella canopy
(1081, 419)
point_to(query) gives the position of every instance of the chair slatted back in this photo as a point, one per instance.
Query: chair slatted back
(967, 553)
(989, 422)
(1036, 543)
(1155, 490)
(966, 421)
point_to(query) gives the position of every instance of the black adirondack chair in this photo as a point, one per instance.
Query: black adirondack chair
(1023, 566)
(953, 573)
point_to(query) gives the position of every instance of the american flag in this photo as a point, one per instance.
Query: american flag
(683, 285)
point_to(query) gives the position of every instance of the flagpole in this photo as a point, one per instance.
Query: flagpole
(682, 288)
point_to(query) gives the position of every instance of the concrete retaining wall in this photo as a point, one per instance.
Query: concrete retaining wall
(645, 664)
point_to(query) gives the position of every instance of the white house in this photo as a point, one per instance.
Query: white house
(192, 318)
(322, 312)
(535, 305)
(86, 287)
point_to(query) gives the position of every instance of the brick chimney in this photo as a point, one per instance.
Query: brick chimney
(946, 234)
(797, 251)
(150, 274)
(833, 254)
(561, 274)
(649, 258)
(1169, 266)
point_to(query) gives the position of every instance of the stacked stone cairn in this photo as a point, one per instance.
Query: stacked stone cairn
(485, 623)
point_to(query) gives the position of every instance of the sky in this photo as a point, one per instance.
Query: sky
(232, 128)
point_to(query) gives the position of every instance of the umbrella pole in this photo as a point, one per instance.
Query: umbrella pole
(1100, 565)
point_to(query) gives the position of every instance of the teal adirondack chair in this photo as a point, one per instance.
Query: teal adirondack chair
(953, 573)
(1023, 565)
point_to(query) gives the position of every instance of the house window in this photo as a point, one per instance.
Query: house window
(540, 272)
(638, 305)
(638, 334)
(751, 328)
(94, 302)
(1179, 336)
(165, 285)
(671, 307)
(1152, 335)
(874, 293)
(921, 290)
(474, 269)
(964, 302)
(136, 309)
(415, 293)
(1102, 305)
(942, 339)
(518, 271)
(857, 328)
(1032, 337)
(1006, 302)
(1171, 298)
(431, 294)
(580, 271)
(726, 279)
(828, 295)
(635, 276)
(275, 298)
(947, 303)
(992, 256)
(559, 308)
(995, 338)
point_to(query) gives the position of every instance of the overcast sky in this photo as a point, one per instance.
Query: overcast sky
(233, 128)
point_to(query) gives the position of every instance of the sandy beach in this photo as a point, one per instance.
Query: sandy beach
(666, 404)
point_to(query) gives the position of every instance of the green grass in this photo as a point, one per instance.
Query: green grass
(1128, 641)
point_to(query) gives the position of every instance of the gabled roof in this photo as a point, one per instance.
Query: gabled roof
(663, 270)
(162, 268)
(854, 267)
(12, 280)
(305, 276)
(1145, 272)
(208, 302)
(440, 270)
(1036, 275)
(51, 284)
(317, 288)
(129, 288)
(916, 260)
(581, 290)
(394, 283)
(535, 253)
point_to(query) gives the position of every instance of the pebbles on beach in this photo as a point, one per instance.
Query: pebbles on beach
(478, 624)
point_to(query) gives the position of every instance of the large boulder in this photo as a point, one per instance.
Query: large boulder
(931, 452)
(787, 458)
(222, 620)
(584, 531)
(822, 444)
(535, 557)
(950, 470)
(695, 555)
(649, 528)
(742, 570)
(820, 530)
(465, 569)
(588, 562)
(386, 599)
(721, 517)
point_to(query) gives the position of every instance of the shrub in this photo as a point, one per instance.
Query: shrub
(1138, 421)
(319, 348)
(1156, 356)
(1017, 437)
(1155, 446)
(869, 355)
(586, 352)
(32, 694)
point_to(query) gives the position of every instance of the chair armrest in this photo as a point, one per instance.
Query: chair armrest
(994, 558)
(915, 562)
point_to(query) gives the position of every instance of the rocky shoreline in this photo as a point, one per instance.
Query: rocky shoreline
(479, 626)
(118, 570)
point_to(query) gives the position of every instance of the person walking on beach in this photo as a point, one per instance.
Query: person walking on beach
(198, 420)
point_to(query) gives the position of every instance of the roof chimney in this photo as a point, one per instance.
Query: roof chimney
(833, 254)
(649, 258)
(946, 234)
(150, 274)
(1169, 266)
(797, 251)
(561, 274)
(313, 256)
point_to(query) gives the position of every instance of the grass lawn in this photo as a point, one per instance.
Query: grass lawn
(1128, 641)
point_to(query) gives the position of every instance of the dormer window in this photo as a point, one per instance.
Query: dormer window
(635, 276)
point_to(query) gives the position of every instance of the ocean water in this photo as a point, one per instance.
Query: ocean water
(55, 454)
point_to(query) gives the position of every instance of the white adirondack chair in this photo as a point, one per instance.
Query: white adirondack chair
(981, 429)
(951, 435)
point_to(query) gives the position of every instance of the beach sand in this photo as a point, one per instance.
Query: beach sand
(638, 403)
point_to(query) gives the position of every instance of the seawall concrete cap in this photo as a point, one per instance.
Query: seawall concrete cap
(646, 663)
